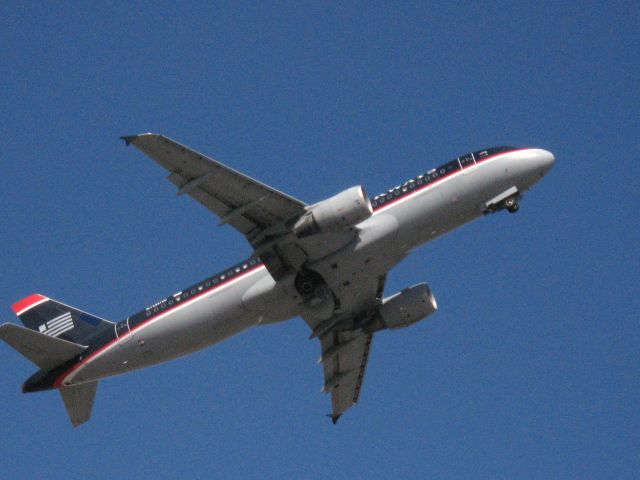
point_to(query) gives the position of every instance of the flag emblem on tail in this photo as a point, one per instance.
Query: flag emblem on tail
(64, 322)
(57, 326)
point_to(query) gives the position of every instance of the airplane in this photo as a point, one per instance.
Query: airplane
(326, 262)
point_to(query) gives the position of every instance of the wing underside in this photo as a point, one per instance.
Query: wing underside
(345, 342)
(261, 213)
(240, 201)
(344, 359)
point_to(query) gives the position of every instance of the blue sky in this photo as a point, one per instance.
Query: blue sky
(529, 369)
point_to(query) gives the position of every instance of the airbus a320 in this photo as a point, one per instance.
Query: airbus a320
(326, 262)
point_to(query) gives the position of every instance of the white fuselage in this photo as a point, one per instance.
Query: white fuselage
(254, 298)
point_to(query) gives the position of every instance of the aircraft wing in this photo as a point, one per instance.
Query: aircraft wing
(344, 359)
(346, 343)
(240, 201)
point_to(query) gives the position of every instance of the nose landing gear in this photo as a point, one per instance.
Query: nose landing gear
(511, 204)
(507, 200)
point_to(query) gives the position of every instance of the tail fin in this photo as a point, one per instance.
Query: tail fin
(58, 320)
(56, 333)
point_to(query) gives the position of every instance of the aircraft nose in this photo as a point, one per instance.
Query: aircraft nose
(539, 160)
(546, 159)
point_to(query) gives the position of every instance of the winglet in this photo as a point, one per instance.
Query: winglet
(128, 139)
(334, 418)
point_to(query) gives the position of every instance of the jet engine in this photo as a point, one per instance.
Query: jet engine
(343, 210)
(405, 308)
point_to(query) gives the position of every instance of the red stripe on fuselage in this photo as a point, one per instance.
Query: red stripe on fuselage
(27, 303)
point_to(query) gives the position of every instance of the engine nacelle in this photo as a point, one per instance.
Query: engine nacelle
(343, 210)
(407, 307)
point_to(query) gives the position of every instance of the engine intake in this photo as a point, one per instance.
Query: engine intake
(343, 210)
(407, 307)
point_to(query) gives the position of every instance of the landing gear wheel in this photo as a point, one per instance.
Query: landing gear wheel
(511, 204)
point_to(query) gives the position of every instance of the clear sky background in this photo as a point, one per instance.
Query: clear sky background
(529, 369)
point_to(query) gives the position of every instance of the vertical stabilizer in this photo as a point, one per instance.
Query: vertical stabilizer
(55, 319)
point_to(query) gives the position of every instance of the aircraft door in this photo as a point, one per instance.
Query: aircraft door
(468, 163)
(123, 332)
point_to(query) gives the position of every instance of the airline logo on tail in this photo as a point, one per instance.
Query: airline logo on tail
(57, 326)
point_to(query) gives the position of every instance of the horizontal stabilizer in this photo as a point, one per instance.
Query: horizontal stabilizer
(45, 351)
(78, 400)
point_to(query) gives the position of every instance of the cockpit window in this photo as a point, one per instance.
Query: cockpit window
(491, 151)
